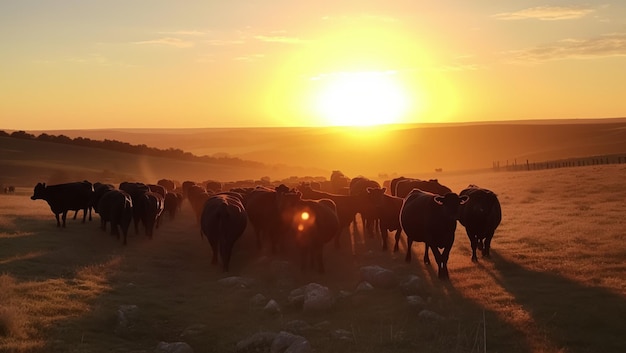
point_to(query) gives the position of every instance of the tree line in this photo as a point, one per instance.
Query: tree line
(119, 146)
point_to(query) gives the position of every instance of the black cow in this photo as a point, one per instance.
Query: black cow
(389, 212)
(480, 216)
(223, 221)
(116, 207)
(171, 204)
(168, 184)
(265, 218)
(151, 208)
(64, 197)
(431, 218)
(369, 213)
(347, 206)
(405, 186)
(310, 224)
(136, 192)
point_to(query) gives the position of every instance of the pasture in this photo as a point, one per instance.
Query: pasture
(556, 281)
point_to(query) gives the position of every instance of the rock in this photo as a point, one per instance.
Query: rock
(415, 300)
(412, 285)
(342, 335)
(126, 317)
(364, 287)
(259, 342)
(430, 315)
(379, 277)
(175, 347)
(236, 282)
(288, 342)
(258, 300)
(272, 307)
(317, 298)
(296, 297)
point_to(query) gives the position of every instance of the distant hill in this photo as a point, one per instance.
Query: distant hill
(400, 149)
(26, 162)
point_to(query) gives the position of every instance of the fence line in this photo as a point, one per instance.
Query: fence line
(513, 165)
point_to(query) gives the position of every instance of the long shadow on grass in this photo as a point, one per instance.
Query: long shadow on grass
(575, 316)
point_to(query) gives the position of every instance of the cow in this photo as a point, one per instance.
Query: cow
(159, 189)
(310, 225)
(64, 197)
(480, 216)
(369, 213)
(136, 192)
(170, 204)
(115, 206)
(431, 218)
(213, 185)
(347, 206)
(168, 184)
(150, 206)
(404, 187)
(389, 212)
(264, 216)
(223, 221)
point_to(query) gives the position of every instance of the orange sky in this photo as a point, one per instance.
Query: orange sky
(282, 63)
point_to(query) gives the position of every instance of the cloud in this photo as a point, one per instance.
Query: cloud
(608, 45)
(168, 41)
(547, 13)
(279, 39)
(192, 33)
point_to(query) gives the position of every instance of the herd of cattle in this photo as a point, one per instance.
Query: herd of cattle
(299, 215)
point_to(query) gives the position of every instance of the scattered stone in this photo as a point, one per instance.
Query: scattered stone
(126, 317)
(364, 287)
(236, 282)
(430, 315)
(296, 297)
(379, 277)
(317, 298)
(415, 300)
(342, 335)
(412, 285)
(288, 342)
(272, 307)
(175, 347)
(258, 300)
(259, 342)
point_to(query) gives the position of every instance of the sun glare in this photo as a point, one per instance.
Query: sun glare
(361, 99)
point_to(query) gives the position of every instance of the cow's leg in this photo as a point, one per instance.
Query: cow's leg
(64, 217)
(214, 248)
(487, 245)
(383, 236)
(442, 261)
(84, 214)
(426, 258)
(56, 215)
(75, 213)
(474, 244)
(397, 237)
(409, 242)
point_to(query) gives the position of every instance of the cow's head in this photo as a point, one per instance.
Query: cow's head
(39, 191)
(450, 203)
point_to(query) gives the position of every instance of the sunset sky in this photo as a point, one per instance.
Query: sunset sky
(184, 64)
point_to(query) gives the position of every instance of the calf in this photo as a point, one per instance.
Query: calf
(388, 208)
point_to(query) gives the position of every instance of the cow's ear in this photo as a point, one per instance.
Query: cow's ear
(43, 184)
(464, 199)
(438, 199)
(384, 189)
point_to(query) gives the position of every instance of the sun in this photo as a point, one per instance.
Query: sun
(361, 99)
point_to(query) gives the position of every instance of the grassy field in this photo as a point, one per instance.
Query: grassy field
(556, 281)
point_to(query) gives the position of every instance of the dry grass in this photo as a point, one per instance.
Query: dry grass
(556, 281)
